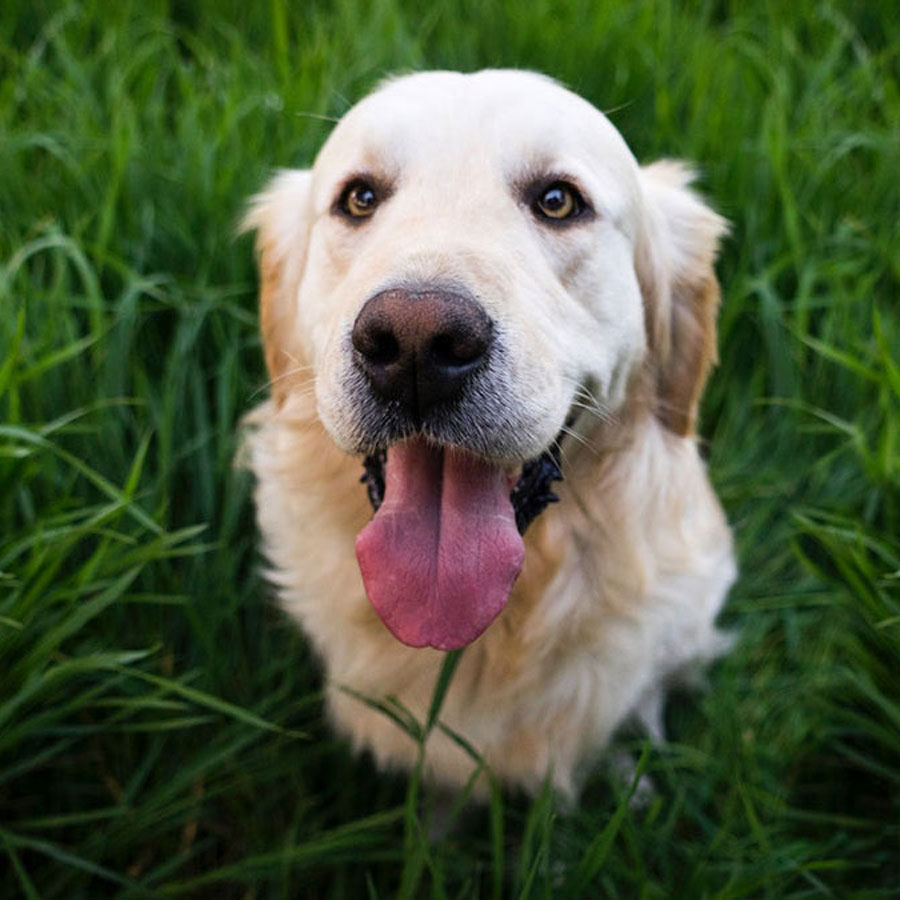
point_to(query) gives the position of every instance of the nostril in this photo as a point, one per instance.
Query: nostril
(456, 349)
(378, 346)
(382, 348)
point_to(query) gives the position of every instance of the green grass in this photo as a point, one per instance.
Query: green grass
(161, 725)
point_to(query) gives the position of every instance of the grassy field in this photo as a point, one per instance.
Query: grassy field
(161, 727)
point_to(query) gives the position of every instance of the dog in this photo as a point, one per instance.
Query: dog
(487, 330)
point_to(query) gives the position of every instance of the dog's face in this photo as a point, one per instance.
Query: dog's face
(471, 258)
(461, 174)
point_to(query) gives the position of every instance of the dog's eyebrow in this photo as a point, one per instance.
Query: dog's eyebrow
(537, 175)
(534, 169)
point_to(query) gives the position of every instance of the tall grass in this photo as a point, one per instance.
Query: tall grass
(160, 723)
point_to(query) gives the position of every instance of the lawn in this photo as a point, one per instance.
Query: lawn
(161, 728)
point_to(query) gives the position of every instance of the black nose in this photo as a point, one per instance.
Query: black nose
(419, 347)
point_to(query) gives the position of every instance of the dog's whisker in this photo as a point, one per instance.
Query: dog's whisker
(284, 376)
(291, 373)
(295, 368)
(602, 411)
(580, 438)
(557, 444)
(585, 394)
(298, 393)
(591, 403)
(297, 365)
(304, 114)
(598, 412)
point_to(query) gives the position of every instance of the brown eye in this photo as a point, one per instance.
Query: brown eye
(559, 201)
(358, 200)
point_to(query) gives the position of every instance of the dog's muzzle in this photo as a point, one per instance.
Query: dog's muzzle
(418, 349)
(441, 553)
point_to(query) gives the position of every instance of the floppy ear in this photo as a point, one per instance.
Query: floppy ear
(674, 261)
(281, 216)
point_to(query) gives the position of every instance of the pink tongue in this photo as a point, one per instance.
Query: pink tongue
(440, 556)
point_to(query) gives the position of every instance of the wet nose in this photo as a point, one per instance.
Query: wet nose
(421, 347)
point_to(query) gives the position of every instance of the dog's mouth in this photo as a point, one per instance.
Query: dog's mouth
(444, 547)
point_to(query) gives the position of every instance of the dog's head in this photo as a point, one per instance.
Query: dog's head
(472, 259)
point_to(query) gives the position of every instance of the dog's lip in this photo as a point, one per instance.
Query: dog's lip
(511, 470)
(513, 474)
(529, 483)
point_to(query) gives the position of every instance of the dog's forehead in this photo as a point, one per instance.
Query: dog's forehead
(515, 117)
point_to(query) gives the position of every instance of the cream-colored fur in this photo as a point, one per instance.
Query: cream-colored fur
(613, 319)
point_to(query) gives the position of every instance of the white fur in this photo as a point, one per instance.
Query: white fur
(624, 577)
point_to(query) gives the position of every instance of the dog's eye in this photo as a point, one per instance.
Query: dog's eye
(358, 200)
(559, 201)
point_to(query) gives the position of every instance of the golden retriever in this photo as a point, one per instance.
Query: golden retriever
(479, 292)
